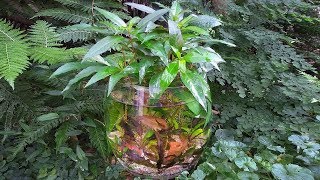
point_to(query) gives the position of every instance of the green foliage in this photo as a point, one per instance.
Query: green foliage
(13, 52)
(173, 52)
(266, 97)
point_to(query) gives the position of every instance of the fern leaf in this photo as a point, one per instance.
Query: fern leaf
(78, 32)
(65, 15)
(83, 5)
(8, 33)
(42, 34)
(49, 55)
(61, 134)
(32, 136)
(13, 60)
(13, 52)
(98, 139)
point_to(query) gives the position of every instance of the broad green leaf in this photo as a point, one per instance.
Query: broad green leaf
(245, 175)
(159, 84)
(140, 7)
(107, 71)
(175, 10)
(205, 21)
(198, 175)
(201, 55)
(154, 86)
(82, 74)
(246, 163)
(291, 172)
(112, 17)
(197, 86)
(196, 30)
(103, 45)
(151, 18)
(176, 32)
(80, 153)
(68, 67)
(299, 141)
(143, 66)
(133, 21)
(186, 20)
(48, 117)
(218, 41)
(158, 49)
(191, 102)
(115, 78)
(173, 28)
(168, 75)
(98, 59)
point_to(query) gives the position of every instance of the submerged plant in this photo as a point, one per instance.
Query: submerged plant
(156, 122)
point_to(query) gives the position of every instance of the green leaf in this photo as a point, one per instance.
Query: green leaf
(291, 172)
(246, 163)
(67, 68)
(143, 66)
(176, 32)
(115, 78)
(48, 117)
(81, 155)
(159, 84)
(198, 175)
(103, 45)
(140, 7)
(82, 74)
(244, 175)
(112, 17)
(107, 71)
(175, 9)
(197, 86)
(191, 102)
(151, 18)
(169, 75)
(206, 21)
(158, 49)
(201, 55)
(196, 30)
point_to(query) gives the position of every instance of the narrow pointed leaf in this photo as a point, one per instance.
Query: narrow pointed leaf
(107, 71)
(168, 75)
(140, 7)
(103, 45)
(68, 67)
(112, 17)
(115, 78)
(154, 86)
(82, 74)
(143, 66)
(151, 18)
(48, 117)
(194, 82)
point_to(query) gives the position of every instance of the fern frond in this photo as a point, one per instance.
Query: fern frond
(42, 34)
(49, 55)
(8, 33)
(98, 139)
(13, 60)
(78, 32)
(61, 134)
(30, 137)
(83, 5)
(13, 52)
(65, 15)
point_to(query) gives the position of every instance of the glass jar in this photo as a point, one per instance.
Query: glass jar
(157, 138)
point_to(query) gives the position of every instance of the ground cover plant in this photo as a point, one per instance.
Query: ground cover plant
(265, 98)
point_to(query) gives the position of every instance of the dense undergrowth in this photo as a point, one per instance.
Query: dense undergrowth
(266, 97)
